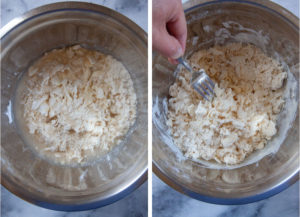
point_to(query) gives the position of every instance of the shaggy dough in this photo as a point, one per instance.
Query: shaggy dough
(77, 104)
(242, 116)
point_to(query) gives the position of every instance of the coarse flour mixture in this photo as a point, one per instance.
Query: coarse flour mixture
(76, 104)
(242, 116)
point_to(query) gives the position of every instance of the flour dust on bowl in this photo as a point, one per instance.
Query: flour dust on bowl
(72, 184)
(216, 25)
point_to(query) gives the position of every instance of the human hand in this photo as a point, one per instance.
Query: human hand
(169, 30)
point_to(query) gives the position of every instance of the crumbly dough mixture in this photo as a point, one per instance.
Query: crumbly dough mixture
(242, 116)
(78, 103)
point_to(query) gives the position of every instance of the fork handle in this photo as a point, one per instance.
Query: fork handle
(185, 64)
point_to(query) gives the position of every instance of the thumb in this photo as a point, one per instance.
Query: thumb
(167, 45)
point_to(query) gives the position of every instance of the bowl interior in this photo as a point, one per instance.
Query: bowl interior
(225, 22)
(93, 27)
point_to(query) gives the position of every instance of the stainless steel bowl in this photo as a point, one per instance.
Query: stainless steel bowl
(111, 177)
(276, 31)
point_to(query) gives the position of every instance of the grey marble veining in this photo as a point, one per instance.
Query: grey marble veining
(135, 204)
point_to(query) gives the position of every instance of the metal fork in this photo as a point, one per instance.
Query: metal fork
(200, 81)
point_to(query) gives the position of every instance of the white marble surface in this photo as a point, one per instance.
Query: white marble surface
(135, 204)
(169, 203)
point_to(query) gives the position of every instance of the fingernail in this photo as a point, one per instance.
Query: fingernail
(173, 61)
(178, 53)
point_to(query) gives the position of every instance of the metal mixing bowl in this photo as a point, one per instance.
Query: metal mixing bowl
(276, 31)
(111, 177)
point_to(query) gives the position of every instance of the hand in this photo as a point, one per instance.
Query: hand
(169, 30)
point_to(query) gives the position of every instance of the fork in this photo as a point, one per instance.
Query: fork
(200, 81)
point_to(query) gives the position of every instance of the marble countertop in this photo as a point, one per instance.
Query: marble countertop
(135, 204)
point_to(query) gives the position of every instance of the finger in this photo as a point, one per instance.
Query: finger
(177, 26)
(166, 44)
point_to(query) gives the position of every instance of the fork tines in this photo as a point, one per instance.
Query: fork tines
(204, 86)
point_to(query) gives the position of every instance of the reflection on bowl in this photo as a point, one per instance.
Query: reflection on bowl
(116, 174)
(276, 32)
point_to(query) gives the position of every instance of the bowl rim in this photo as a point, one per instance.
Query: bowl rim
(127, 23)
(273, 190)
